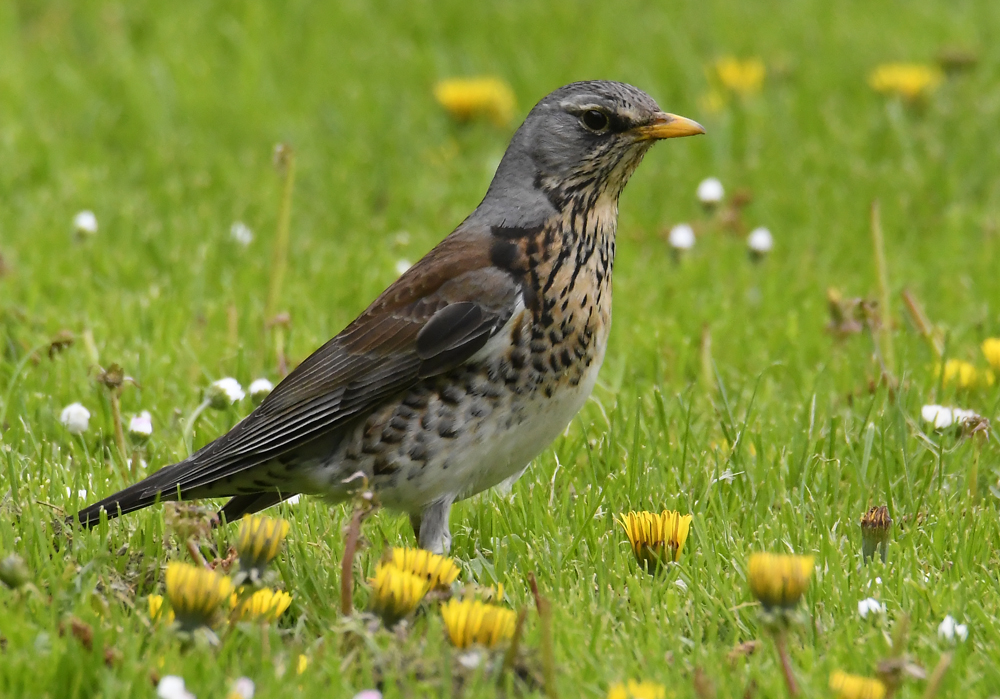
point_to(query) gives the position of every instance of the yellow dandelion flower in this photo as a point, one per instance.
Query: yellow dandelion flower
(195, 593)
(471, 622)
(262, 605)
(637, 690)
(466, 98)
(396, 593)
(965, 375)
(742, 77)
(656, 538)
(991, 350)
(856, 687)
(908, 80)
(259, 541)
(779, 580)
(155, 603)
(440, 572)
(301, 664)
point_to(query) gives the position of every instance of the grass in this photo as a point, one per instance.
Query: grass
(162, 120)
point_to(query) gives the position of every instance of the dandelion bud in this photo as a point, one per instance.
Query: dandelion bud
(259, 390)
(656, 538)
(155, 605)
(140, 427)
(13, 572)
(779, 580)
(85, 224)
(634, 689)
(259, 541)
(710, 192)
(195, 594)
(439, 571)
(224, 393)
(75, 417)
(856, 687)
(262, 605)
(760, 243)
(875, 527)
(467, 98)
(396, 593)
(991, 350)
(471, 622)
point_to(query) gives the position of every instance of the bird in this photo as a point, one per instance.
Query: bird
(473, 361)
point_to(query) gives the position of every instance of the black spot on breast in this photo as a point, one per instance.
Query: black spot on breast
(383, 467)
(418, 452)
(447, 428)
(417, 398)
(452, 394)
(518, 358)
(566, 359)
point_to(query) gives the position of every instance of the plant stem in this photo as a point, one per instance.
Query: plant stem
(347, 564)
(885, 328)
(116, 419)
(189, 427)
(545, 621)
(786, 663)
(285, 161)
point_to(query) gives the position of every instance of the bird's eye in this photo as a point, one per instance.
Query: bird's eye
(595, 120)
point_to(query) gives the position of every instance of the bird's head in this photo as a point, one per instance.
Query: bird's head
(590, 136)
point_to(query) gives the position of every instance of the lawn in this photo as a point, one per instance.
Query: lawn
(731, 390)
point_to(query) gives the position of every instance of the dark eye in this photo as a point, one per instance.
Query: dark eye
(595, 120)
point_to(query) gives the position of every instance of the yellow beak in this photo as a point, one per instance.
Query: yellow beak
(666, 125)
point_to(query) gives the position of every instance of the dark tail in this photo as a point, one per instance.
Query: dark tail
(248, 504)
(159, 487)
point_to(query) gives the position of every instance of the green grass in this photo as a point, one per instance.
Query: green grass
(162, 118)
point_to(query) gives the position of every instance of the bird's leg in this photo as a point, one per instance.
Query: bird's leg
(433, 523)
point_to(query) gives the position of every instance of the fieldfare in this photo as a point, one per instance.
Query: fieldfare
(473, 361)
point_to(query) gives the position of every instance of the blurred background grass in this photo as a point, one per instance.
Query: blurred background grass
(161, 118)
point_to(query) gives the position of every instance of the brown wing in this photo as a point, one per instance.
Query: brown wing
(436, 316)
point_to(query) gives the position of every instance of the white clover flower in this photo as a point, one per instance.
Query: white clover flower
(710, 191)
(760, 241)
(241, 233)
(243, 688)
(75, 417)
(85, 223)
(259, 389)
(172, 687)
(949, 629)
(937, 415)
(402, 266)
(224, 393)
(82, 493)
(870, 606)
(140, 427)
(681, 237)
(942, 417)
(368, 694)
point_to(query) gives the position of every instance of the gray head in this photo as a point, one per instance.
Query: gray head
(584, 137)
